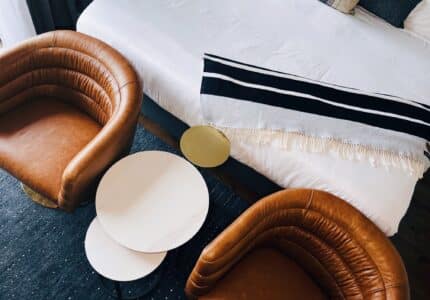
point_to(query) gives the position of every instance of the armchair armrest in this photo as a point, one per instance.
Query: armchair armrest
(112, 142)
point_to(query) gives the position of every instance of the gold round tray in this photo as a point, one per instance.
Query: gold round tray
(38, 198)
(205, 146)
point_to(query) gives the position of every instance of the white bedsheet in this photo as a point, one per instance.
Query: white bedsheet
(165, 40)
(15, 22)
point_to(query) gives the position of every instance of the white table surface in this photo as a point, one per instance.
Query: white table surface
(152, 201)
(114, 261)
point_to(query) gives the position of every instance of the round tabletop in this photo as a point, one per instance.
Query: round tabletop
(114, 261)
(205, 146)
(152, 201)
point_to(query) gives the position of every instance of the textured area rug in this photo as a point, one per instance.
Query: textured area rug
(42, 250)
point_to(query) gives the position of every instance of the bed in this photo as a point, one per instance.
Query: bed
(165, 40)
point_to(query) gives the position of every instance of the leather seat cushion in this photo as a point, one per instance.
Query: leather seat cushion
(39, 138)
(265, 273)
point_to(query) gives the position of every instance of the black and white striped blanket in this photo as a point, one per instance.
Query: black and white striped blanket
(259, 105)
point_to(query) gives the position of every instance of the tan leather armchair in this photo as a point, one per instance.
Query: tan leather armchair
(69, 106)
(299, 244)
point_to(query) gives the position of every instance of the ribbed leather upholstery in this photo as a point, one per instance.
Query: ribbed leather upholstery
(100, 96)
(342, 251)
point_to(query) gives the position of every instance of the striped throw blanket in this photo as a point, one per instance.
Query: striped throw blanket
(257, 105)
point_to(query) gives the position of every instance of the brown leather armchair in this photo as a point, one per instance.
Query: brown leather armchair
(69, 106)
(299, 244)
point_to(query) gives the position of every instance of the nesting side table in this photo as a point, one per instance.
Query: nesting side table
(147, 204)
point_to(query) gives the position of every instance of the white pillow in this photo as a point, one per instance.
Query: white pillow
(418, 20)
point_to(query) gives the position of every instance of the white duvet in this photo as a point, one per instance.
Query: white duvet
(165, 40)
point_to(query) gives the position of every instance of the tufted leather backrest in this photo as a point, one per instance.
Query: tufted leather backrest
(69, 66)
(343, 251)
(87, 73)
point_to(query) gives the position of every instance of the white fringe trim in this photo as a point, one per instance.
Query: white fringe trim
(415, 166)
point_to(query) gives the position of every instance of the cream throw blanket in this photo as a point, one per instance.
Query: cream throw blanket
(262, 106)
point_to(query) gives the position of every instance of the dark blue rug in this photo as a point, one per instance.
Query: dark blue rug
(42, 250)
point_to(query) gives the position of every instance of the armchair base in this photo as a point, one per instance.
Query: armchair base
(38, 198)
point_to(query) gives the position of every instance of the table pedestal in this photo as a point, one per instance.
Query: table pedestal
(132, 289)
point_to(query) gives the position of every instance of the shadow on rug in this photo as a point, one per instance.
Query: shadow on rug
(42, 250)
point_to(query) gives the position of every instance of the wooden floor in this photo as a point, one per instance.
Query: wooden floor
(412, 241)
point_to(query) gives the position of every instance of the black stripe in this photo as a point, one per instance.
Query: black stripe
(297, 76)
(224, 88)
(274, 71)
(244, 64)
(422, 104)
(320, 91)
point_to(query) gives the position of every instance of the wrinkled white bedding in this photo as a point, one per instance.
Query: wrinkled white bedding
(418, 21)
(15, 22)
(165, 40)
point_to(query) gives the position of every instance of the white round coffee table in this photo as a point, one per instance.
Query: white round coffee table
(114, 261)
(152, 201)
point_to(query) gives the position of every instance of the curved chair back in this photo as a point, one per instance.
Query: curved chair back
(342, 250)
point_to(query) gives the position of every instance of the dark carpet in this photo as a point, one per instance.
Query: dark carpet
(42, 250)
